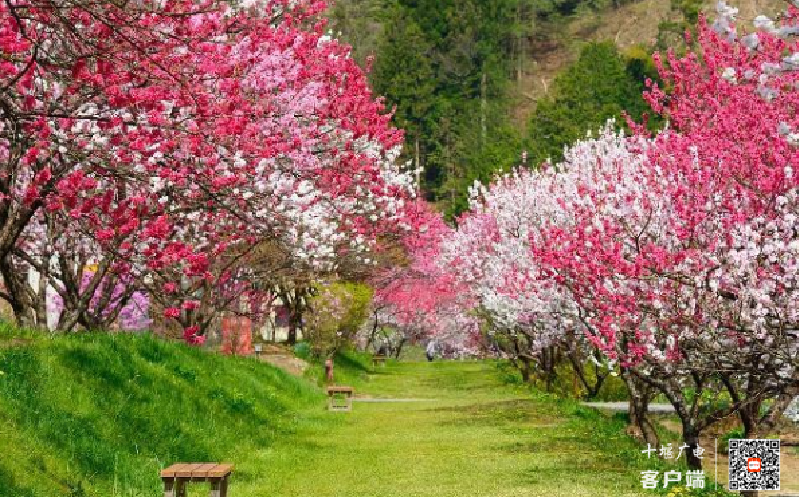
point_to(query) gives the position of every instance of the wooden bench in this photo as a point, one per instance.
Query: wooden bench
(334, 391)
(177, 476)
(378, 358)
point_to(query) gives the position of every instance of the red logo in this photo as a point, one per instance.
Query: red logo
(753, 464)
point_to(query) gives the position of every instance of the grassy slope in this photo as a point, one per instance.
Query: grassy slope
(99, 415)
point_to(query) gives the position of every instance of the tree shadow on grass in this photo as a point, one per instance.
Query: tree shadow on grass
(498, 413)
(345, 361)
(9, 487)
(507, 411)
(457, 382)
(537, 446)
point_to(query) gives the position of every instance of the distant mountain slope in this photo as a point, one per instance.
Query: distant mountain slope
(635, 23)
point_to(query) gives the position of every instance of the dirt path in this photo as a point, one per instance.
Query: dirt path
(623, 406)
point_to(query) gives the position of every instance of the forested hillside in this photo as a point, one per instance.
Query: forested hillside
(482, 85)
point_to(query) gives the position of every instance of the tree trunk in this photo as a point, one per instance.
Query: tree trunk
(418, 169)
(549, 362)
(371, 337)
(68, 320)
(749, 417)
(296, 317)
(768, 422)
(523, 364)
(291, 337)
(576, 359)
(40, 302)
(24, 318)
(452, 170)
(23, 312)
(639, 394)
(525, 370)
(520, 49)
(17, 290)
(399, 348)
(483, 109)
(691, 437)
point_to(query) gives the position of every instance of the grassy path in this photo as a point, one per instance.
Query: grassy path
(479, 438)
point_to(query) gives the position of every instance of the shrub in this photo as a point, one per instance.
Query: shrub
(302, 350)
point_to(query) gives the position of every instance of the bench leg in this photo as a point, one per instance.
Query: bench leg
(169, 487)
(224, 487)
(345, 404)
(217, 487)
(174, 487)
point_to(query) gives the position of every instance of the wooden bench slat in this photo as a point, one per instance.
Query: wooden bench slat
(188, 470)
(220, 470)
(202, 471)
(197, 470)
(170, 471)
(340, 389)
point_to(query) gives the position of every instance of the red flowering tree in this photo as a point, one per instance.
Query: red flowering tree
(178, 136)
(685, 262)
(420, 300)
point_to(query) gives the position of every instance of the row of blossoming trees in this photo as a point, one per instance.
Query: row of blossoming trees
(203, 155)
(671, 259)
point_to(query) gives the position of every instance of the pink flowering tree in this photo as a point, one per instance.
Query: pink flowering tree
(215, 132)
(321, 196)
(85, 95)
(736, 234)
(674, 255)
(531, 318)
(416, 298)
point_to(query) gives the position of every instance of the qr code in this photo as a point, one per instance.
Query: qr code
(754, 464)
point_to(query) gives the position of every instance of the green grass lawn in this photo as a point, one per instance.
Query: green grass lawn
(479, 437)
(99, 415)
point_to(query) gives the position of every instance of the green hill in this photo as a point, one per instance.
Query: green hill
(101, 414)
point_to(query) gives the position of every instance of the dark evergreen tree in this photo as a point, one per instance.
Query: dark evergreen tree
(403, 73)
(446, 67)
(600, 85)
